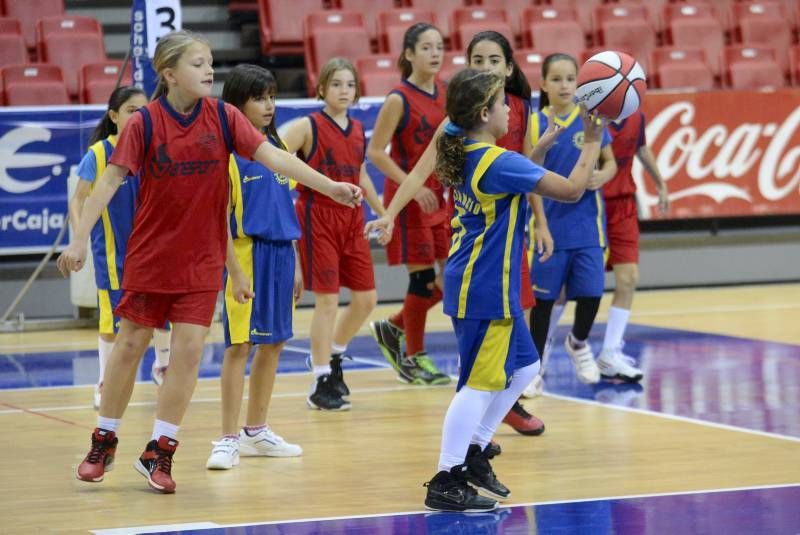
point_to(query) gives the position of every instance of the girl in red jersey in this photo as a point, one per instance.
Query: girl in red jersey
(408, 119)
(179, 144)
(333, 250)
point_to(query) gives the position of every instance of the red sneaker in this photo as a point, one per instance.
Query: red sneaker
(100, 458)
(523, 422)
(155, 464)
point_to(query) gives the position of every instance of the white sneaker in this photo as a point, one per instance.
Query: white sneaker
(225, 454)
(97, 388)
(535, 389)
(614, 364)
(157, 373)
(583, 359)
(548, 348)
(267, 444)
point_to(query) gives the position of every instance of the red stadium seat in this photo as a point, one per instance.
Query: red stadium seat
(453, 62)
(626, 27)
(794, 55)
(282, 34)
(693, 25)
(553, 29)
(98, 80)
(443, 10)
(530, 63)
(653, 9)
(583, 8)
(35, 84)
(12, 44)
(752, 67)
(369, 9)
(765, 23)
(469, 21)
(64, 25)
(30, 11)
(329, 34)
(392, 25)
(71, 50)
(513, 8)
(378, 74)
(674, 67)
(722, 10)
(9, 25)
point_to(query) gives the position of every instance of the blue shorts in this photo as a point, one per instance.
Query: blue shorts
(490, 350)
(581, 271)
(267, 318)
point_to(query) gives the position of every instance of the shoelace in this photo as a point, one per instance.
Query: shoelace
(96, 452)
(225, 446)
(425, 362)
(519, 409)
(271, 436)
(163, 461)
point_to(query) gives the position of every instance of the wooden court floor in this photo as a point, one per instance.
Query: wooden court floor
(375, 458)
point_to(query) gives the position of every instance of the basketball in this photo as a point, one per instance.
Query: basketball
(613, 83)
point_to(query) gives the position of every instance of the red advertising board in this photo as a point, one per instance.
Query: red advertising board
(723, 153)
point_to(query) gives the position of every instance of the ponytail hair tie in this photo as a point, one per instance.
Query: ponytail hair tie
(452, 129)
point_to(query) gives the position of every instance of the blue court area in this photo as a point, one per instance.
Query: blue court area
(722, 380)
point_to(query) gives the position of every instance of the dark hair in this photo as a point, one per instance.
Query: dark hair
(246, 81)
(544, 100)
(410, 39)
(468, 93)
(119, 96)
(516, 83)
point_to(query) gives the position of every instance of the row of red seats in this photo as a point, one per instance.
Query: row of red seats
(65, 41)
(41, 84)
(28, 13)
(673, 68)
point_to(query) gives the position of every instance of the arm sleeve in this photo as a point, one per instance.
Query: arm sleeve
(512, 173)
(246, 138)
(87, 169)
(129, 152)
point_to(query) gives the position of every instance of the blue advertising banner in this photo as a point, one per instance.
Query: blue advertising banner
(150, 20)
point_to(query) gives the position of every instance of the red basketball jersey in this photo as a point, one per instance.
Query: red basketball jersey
(335, 152)
(518, 117)
(422, 114)
(180, 228)
(627, 138)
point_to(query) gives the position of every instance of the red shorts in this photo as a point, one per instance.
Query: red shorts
(333, 250)
(154, 309)
(622, 228)
(526, 297)
(418, 245)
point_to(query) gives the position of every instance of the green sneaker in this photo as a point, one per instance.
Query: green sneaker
(426, 370)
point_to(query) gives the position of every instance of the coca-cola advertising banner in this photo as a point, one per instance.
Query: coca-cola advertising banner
(725, 153)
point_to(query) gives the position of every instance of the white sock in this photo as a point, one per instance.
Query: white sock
(162, 428)
(463, 416)
(555, 317)
(321, 370)
(104, 350)
(161, 344)
(338, 349)
(502, 403)
(109, 424)
(615, 328)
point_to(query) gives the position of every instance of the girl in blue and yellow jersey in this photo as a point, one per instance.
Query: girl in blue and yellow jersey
(578, 264)
(109, 236)
(264, 226)
(482, 277)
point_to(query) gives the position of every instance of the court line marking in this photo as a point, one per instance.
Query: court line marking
(156, 529)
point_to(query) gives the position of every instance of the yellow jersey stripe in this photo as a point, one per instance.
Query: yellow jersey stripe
(487, 207)
(239, 314)
(236, 196)
(534, 128)
(106, 312)
(488, 371)
(108, 231)
(512, 224)
(600, 205)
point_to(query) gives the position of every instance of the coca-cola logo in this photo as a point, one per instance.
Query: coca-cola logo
(722, 159)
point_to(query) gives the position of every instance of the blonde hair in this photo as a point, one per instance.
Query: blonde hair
(327, 72)
(168, 52)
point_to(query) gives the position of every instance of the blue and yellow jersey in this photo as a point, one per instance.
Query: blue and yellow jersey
(482, 275)
(573, 225)
(261, 201)
(110, 234)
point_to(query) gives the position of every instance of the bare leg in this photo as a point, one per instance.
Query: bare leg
(179, 383)
(262, 379)
(322, 322)
(120, 372)
(232, 382)
(354, 315)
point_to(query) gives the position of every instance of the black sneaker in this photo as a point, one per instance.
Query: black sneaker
(494, 449)
(449, 491)
(337, 375)
(480, 474)
(389, 339)
(325, 397)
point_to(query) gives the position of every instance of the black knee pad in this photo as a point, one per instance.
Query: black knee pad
(421, 282)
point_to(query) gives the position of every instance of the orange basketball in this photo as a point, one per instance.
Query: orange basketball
(613, 83)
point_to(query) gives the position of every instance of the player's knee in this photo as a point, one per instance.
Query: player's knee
(627, 279)
(365, 300)
(421, 283)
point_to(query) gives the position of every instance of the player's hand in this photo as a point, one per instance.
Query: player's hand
(663, 198)
(544, 242)
(298, 283)
(595, 182)
(551, 133)
(380, 229)
(427, 200)
(346, 194)
(72, 259)
(593, 125)
(241, 288)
